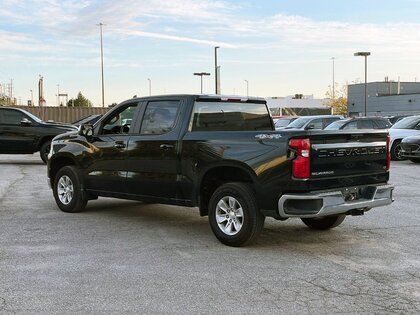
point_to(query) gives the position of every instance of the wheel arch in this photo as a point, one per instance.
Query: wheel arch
(43, 140)
(218, 175)
(57, 162)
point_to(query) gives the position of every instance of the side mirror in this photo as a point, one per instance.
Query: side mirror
(25, 122)
(418, 127)
(85, 130)
(310, 126)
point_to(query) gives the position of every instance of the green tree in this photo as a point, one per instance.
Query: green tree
(80, 101)
(339, 102)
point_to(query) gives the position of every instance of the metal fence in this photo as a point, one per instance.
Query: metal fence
(62, 113)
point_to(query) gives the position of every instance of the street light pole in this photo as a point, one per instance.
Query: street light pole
(200, 74)
(364, 54)
(102, 65)
(150, 86)
(32, 97)
(247, 88)
(333, 82)
(216, 79)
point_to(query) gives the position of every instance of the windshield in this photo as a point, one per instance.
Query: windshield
(336, 125)
(33, 117)
(407, 123)
(299, 123)
(283, 122)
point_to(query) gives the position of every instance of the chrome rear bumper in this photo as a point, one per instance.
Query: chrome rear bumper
(323, 203)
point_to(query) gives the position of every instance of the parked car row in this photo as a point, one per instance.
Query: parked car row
(404, 130)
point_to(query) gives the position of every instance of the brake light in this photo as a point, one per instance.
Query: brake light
(388, 157)
(301, 167)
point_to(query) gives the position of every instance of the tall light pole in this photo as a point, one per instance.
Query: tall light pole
(364, 54)
(32, 97)
(150, 86)
(201, 78)
(102, 65)
(216, 72)
(333, 82)
(247, 88)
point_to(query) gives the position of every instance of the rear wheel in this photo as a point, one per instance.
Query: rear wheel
(396, 151)
(324, 223)
(67, 190)
(44, 150)
(234, 216)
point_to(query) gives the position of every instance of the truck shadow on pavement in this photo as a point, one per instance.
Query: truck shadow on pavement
(180, 223)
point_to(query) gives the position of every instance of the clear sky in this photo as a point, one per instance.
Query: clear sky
(282, 47)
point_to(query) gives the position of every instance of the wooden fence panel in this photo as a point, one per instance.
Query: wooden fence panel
(63, 113)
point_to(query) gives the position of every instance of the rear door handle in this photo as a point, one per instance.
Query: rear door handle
(119, 144)
(166, 146)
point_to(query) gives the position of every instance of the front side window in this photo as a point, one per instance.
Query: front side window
(315, 124)
(159, 117)
(12, 117)
(119, 122)
(226, 116)
(351, 126)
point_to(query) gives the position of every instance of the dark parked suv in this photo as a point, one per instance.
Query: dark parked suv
(23, 133)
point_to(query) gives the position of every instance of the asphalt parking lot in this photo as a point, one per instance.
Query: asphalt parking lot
(129, 257)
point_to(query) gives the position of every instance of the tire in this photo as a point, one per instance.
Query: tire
(324, 223)
(396, 151)
(415, 160)
(243, 223)
(67, 190)
(44, 150)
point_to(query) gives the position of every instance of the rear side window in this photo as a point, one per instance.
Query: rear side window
(365, 124)
(159, 117)
(381, 124)
(225, 116)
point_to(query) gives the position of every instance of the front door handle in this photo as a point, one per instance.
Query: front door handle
(119, 144)
(166, 146)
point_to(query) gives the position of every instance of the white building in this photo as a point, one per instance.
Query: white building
(298, 104)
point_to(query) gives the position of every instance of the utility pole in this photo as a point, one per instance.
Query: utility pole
(150, 86)
(58, 94)
(11, 89)
(333, 58)
(102, 64)
(247, 88)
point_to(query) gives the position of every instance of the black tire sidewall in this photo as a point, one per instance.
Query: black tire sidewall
(251, 225)
(44, 156)
(78, 201)
(393, 148)
(324, 223)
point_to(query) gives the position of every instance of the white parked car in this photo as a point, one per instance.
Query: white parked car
(406, 127)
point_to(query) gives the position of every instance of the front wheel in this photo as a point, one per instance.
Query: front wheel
(67, 190)
(324, 223)
(234, 215)
(396, 151)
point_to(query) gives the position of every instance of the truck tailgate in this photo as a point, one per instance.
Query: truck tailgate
(343, 153)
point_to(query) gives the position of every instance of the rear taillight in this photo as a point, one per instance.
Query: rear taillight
(302, 163)
(388, 156)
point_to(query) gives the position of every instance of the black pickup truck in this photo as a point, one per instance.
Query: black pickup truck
(23, 133)
(222, 155)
